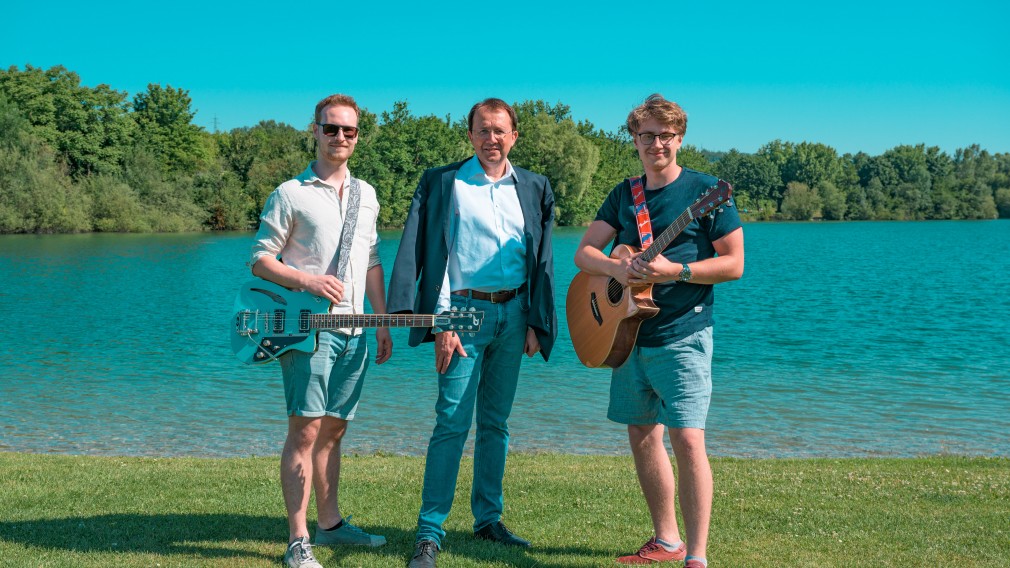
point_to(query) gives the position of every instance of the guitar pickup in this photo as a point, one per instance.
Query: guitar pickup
(278, 321)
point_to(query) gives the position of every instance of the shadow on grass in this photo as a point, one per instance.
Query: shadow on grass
(460, 543)
(193, 535)
(168, 534)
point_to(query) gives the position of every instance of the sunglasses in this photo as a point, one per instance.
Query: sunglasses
(333, 129)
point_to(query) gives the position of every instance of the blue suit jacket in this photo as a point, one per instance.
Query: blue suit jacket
(424, 251)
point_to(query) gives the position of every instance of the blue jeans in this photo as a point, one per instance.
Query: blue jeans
(487, 379)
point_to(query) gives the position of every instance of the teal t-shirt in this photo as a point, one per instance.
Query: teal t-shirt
(684, 308)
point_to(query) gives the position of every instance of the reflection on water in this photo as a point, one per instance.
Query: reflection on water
(848, 339)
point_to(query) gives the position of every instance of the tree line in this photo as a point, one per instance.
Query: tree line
(75, 159)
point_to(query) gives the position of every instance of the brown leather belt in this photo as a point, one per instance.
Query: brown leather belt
(499, 297)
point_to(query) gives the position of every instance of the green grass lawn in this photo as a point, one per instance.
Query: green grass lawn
(577, 510)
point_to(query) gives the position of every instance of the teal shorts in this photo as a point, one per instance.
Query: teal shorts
(327, 382)
(669, 385)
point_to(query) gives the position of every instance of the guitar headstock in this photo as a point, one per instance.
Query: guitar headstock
(713, 198)
(460, 321)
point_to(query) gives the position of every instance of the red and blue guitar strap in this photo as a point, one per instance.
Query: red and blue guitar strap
(641, 211)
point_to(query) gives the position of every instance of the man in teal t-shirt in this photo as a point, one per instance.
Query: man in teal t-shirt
(666, 381)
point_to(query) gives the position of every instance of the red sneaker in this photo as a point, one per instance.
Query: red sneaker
(692, 563)
(652, 551)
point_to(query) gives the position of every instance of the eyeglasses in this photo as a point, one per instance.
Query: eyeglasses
(485, 133)
(648, 138)
(332, 129)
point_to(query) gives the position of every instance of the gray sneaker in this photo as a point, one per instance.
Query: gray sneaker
(347, 534)
(299, 555)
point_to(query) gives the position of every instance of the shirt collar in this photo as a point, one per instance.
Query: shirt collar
(309, 177)
(473, 172)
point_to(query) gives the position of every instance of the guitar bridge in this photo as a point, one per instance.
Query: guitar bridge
(242, 320)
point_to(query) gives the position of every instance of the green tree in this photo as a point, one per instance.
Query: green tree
(264, 156)
(90, 128)
(165, 129)
(556, 149)
(800, 202)
(752, 175)
(690, 157)
(219, 192)
(1003, 202)
(168, 204)
(35, 195)
(857, 204)
(833, 201)
(813, 164)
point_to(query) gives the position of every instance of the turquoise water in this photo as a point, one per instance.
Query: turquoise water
(847, 339)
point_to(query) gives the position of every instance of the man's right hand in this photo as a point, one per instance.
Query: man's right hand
(446, 344)
(326, 286)
(620, 268)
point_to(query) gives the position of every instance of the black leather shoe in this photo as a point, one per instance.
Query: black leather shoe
(498, 532)
(424, 555)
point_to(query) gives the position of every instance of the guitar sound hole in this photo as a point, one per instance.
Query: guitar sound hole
(615, 292)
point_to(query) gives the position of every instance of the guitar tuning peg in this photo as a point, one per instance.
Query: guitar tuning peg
(453, 309)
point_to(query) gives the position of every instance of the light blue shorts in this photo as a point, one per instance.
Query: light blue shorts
(327, 382)
(669, 385)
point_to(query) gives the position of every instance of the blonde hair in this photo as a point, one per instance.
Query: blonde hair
(663, 111)
(336, 100)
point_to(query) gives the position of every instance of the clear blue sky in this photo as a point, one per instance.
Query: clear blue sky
(858, 76)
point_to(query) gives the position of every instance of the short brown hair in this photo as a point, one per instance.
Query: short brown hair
(492, 104)
(337, 100)
(663, 111)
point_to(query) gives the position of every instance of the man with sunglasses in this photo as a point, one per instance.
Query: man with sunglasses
(478, 235)
(315, 227)
(666, 381)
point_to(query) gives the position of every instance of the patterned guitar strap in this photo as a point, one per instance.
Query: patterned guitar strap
(350, 225)
(641, 212)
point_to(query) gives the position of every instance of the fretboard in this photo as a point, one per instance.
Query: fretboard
(338, 321)
(660, 243)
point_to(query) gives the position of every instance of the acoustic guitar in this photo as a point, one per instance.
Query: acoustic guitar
(604, 315)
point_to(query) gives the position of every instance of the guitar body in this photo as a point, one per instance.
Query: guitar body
(270, 321)
(604, 315)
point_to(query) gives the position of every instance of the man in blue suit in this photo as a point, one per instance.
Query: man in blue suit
(478, 235)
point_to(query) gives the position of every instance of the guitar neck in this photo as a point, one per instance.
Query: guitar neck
(663, 240)
(338, 321)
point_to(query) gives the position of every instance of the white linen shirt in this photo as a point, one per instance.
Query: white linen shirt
(491, 255)
(301, 225)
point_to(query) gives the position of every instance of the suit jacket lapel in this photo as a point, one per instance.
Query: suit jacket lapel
(448, 180)
(525, 193)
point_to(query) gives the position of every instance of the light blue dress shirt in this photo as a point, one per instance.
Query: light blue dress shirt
(487, 248)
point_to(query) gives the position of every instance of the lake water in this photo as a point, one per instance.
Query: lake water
(842, 339)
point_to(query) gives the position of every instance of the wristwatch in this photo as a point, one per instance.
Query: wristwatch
(685, 273)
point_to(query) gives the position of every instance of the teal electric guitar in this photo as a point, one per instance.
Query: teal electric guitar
(271, 320)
